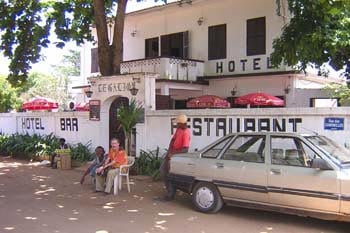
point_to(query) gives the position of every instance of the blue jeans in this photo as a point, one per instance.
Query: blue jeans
(93, 170)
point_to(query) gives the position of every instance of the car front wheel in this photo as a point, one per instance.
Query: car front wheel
(206, 198)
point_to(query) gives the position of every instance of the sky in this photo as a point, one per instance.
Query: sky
(53, 55)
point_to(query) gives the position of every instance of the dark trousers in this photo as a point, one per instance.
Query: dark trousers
(53, 164)
(164, 171)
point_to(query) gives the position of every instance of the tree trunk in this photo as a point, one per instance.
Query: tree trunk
(127, 146)
(104, 50)
(117, 45)
(127, 142)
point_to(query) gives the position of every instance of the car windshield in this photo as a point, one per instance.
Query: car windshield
(331, 147)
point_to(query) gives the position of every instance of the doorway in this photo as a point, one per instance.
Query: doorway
(115, 131)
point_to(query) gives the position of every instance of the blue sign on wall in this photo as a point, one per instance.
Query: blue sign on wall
(334, 123)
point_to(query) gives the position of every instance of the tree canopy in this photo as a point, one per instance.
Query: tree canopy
(318, 33)
(25, 27)
(341, 92)
(69, 65)
(8, 96)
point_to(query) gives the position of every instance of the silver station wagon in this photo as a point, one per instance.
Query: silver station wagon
(307, 175)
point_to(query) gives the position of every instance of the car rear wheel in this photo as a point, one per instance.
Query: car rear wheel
(206, 198)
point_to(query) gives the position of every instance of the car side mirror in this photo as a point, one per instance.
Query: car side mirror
(321, 164)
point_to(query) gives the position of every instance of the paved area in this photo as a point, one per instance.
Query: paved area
(38, 199)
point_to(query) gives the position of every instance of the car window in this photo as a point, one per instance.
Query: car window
(246, 148)
(214, 151)
(291, 151)
(337, 151)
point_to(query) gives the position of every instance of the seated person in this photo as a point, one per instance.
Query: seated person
(97, 162)
(116, 157)
(62, 145)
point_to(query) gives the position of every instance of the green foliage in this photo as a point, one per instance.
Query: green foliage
(69, 66)
(8, 96)
(25, 27)
(317, 33)
(148, 163)
(81, 152)
(28, 146)
(25, 32)
(342, 92)
(36, 147)
(128, 117)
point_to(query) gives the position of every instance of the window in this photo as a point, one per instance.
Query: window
(94, 60)
(323, 102)
(175, 45)
(290, 151)
(246, 148)
(213, 152)
(256, 36)
(152, 47)
(163, 102)
(217, 42)
(180, 104)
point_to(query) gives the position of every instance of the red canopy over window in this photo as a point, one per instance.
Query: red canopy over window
(208, 101)
(82, 107)
(259, 99)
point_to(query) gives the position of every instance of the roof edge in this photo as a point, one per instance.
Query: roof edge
(210, 77)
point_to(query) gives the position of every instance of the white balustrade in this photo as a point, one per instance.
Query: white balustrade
(168, 68)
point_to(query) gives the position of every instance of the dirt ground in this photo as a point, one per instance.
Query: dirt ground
(39, 199)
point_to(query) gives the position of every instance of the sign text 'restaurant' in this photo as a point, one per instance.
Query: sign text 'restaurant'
(208, 126)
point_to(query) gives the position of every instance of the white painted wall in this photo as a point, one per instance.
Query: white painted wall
(245, 85)
(75, 127)
(107, 89)
(312, 119)
(156, 131)
(8, 124)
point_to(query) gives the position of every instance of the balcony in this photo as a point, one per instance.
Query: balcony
(167, 68)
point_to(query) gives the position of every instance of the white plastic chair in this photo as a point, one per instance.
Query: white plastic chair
(123, 171)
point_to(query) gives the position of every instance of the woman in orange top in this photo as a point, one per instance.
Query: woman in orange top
(116, 157)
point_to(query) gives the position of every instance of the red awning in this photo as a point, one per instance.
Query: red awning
(259, 99)
(208, 101)
(82, 107)
(39, 103)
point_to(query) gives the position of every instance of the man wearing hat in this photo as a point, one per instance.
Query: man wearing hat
(180, 142)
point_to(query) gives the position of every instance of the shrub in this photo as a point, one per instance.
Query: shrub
(148, 163)
(27, 146)
(38, 147)
(81, 152)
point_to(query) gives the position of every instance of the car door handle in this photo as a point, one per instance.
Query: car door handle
(219, 165)
(190, 164)
(275, 171)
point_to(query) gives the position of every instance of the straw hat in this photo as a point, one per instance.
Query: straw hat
(181, 119)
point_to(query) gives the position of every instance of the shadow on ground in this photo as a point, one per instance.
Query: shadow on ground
(35, 198)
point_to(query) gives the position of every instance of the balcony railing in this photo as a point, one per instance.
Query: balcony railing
(168, 68)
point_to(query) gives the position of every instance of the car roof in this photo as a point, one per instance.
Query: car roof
(270, 133)
(291, 134)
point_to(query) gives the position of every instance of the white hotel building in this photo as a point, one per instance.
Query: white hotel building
(212, 47)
